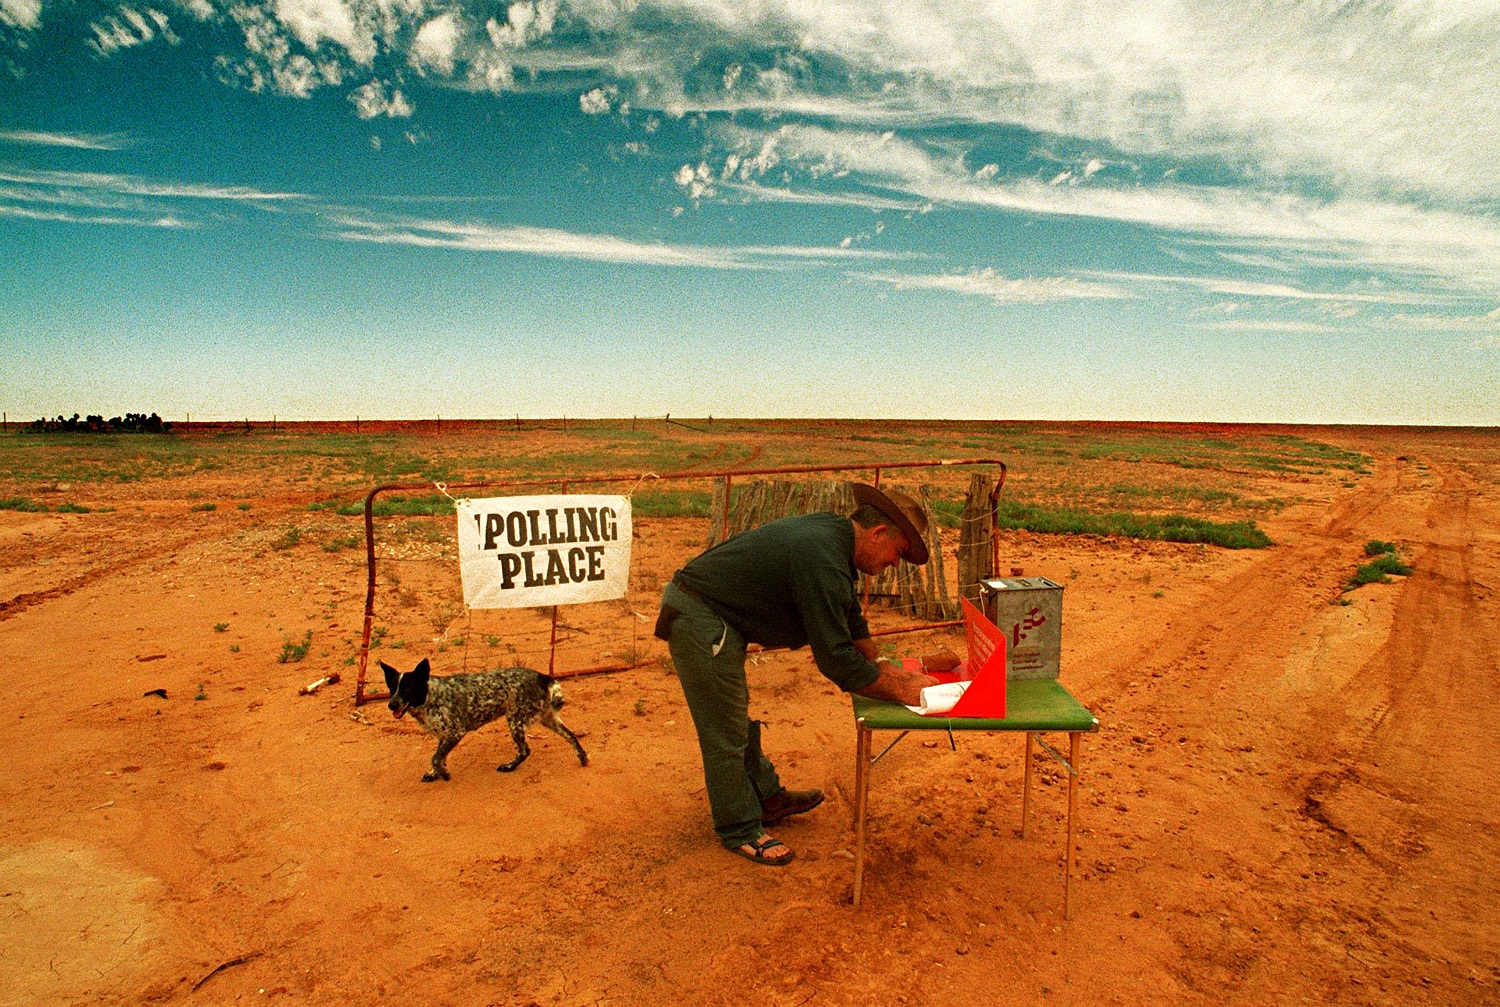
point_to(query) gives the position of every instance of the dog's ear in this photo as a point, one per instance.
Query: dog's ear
(392, 676)
(414, 684)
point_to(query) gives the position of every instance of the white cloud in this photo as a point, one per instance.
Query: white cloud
(524, 22)
(696, 183)
(70, 217)
(554, 243)
(1237, 287)
(82, 141)
(82, 197)
(128, 28)
(1253, 261)
(989, 284)
(1448, 246)
(597, 100)
(26, 14)
(1374, 95)
(755, 192)
(436, 44)
(371, 100)
(313, 21)
(1271, 325)
(131, 185)
(1487, 323)
(1372, 98)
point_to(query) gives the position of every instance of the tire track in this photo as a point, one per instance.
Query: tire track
(1409, 733)
(155, 549)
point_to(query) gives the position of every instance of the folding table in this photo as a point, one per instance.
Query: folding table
(1031, 705)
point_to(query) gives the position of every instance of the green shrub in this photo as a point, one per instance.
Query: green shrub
(294, 652)
(289, 539)
(410, 506)
(21, 504)
(1375, 547)
(670, 503)
(1377, 571)
(1167, 528)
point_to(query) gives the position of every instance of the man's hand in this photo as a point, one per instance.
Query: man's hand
(898, 684)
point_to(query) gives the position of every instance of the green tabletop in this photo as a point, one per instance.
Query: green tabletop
(1035, 704)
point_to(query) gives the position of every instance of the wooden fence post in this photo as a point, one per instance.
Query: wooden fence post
(976, 554)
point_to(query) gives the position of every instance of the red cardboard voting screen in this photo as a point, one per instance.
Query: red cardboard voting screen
(984, 669)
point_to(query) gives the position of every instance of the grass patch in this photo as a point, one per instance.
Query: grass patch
(1379, 571)
(1167, 528)
(1290, 454)
(22, 504)
(949, 513)
(426, 506)
(1375, 547)
(72, 508)
(292, 652)
(205, 507)
(290, 539)
(671, 503)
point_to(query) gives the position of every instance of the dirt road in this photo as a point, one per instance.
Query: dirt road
(1292, 797)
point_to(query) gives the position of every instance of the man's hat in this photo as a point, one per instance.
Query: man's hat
(904, 512)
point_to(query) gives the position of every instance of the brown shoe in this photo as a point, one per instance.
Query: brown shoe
(786, 803)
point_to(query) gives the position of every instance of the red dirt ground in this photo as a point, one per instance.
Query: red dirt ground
(1289, 800)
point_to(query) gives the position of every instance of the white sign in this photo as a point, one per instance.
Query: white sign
(515, 552)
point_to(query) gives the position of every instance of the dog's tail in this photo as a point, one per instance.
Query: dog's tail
(554, 692)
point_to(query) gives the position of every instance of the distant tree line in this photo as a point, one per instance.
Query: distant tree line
(135, 423)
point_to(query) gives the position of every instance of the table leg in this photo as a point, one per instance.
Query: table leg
(861, 803)
(1026, 787)
(1072, 809)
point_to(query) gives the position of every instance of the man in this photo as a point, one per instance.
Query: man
(790, 583)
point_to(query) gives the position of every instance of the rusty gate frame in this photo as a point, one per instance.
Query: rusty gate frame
(564, 482)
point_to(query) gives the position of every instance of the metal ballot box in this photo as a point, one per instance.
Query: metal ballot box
(1028, 610)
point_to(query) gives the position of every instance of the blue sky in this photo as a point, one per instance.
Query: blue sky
(1280, 212)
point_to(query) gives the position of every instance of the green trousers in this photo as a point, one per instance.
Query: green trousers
(710, 660)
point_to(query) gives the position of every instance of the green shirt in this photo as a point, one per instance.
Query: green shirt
(791, 583)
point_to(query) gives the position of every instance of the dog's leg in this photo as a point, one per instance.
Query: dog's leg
(550, 720)
(518, 734)
(440, 760)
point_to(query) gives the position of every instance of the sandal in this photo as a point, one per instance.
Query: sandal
(760, 846)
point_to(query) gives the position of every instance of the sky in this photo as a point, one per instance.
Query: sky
(1201, 210)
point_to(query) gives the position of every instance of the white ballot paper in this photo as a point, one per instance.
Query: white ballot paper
(939, 698)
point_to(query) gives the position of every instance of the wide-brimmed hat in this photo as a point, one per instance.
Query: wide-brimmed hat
(905, 513)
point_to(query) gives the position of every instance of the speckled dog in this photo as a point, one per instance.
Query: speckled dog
(450, 706)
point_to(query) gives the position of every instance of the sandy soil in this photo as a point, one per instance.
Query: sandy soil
(1291, 798)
